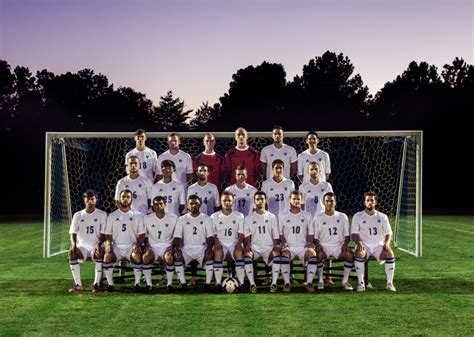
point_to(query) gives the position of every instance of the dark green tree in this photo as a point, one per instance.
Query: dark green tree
(204, 115)
(170, 114)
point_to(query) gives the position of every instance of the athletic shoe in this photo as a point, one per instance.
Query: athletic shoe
(253, 289)
(169, 288)
(137, 288)
(76, 288)
(390, 287)
(184, 287)
(273, 288)
(320, 285)
(309, 288)
(95, 288)
(286, 288)
(148, 289)
(328, 280)
(110, 288)
(360, 287)
(219, 289)
(347, 286)
(207, 288)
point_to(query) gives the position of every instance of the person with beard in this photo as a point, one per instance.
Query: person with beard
(205, 190)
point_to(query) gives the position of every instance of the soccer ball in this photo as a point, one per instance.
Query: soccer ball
(230, 285)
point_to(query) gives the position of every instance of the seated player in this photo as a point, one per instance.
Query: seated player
(243, 192)
(205, 190)
(372, 234)
(332, 237)
(124, 236)
(261, 241)
(278, 189)
(193, 240)
(228, 226)
(296, 234)
(159, 227)
(87, 236)
(172, 190)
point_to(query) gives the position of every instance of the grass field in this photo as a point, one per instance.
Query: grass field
(435, 296)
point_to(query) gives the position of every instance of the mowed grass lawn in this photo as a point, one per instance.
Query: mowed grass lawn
(435, 297)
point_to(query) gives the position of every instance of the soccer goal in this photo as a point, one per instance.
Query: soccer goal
(386, 162)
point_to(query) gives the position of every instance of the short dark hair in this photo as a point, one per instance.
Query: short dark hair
(370, 194)
(89, 193)
(240, 167)
(168, 163)
(296, 192)
(311, 133)
(229, 193)
(139, 132)
(260, 193)
(278, 161)
(329, 194)
(125, 191)
(277, 127)
(159, 198)
(195, 197)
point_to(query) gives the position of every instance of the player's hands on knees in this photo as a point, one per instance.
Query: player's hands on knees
(217, 245)
(360, 251)
(247, 250)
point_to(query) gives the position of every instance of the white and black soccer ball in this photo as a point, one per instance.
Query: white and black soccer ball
(230, 285)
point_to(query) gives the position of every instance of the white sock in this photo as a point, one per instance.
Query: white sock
(147, 272)
(240, 270)
(137, 271)
(249, 270)
(98, 271)
(390, 269)
(209, 268)
(275, 269)
(285, 269)
(218, 270)
(320, 271)
(109, 273)
(76, 271)
(360, 269)
(169, 274)
(311, 269)
(347, 271)
(179, 267)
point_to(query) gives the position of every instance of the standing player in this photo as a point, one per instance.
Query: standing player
(183, 163)
(171, 190)
(278, 189)
(139, 185)
(205, 190)
(296, 233)
(242, 192)
(228, 226)
(124, 236)
(146, 155)
(159, 227)
(214, 161)
(242, 155)
(193, 240)
(261, 241)
(332, 237)
(278, 150)
(313, 154)
(313, 190)
(372, 234)
(87, 237)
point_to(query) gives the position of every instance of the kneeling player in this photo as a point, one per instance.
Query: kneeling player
(261, 241)
(332, 236)
(193, 240)
(372, 233)
(87, 236)
(296, 233)
(228, 226)
(159, 239)
(124, 236)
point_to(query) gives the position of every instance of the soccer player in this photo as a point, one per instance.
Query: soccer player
(228, 226)
(313, 154)
(124, 236)
(296, 234)
(261, 241)
(242, 155)
(242, 192)
(193, 240)
(313, 190)
(183, 162)
(372, 234)
(87, 236)
(332, 237)
(146, 155)
(278, 189)
(205, 190)
(214, 161)
(278, 150)
(138, 184)
(159, 227)
(171, 190)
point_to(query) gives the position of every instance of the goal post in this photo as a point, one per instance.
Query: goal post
(386, 162)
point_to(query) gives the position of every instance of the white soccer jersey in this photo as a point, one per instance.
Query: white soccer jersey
(227, 227)
(194, 231)
(173, 192)
(262, 227)
(278, 194)
(183, 163)
(160, 230)
(313, 196)
(124, 227)
(147, 162)
(329, 229)
(140, 188)
(295, 228)
(321, 157)
(209, 196)
(371, 228)
(286, 153)
(243, 198)
(88, 227)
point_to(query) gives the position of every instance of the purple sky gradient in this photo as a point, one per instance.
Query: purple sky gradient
(194, 47)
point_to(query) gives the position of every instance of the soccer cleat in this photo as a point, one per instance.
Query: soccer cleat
(95, 288)
(76, 288)
(218, 289)
(360, 287)
(207, 288)
(320, 285)
(253, 289)
(347, 286)
(273, 288)
(192, 282)
(286, 288)
(184, 287)
(390, 287)
(148, 289)
(137, 288)
(328, 280)
(169, 288)
(110, 288)
(309, 288)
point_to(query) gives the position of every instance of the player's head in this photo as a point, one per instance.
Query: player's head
(167, 168)
(370, 200)
(329, 201)
(194, 203)
(260, 199)
(202, 172)
(312, 138)
(173, 141)
(90, 199)
(133, 163)
(240, 174)
(140, 138)
(313, 170)
(209, 142)
(277, 167)
(296, 198)
(277, 134)
(125, 198)
(159, 204)
(241, 136)
(227, 199)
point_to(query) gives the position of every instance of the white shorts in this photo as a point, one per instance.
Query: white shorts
(374, 249)
(123, 252)
(262, 252)
(87, 251)
(297, 252)
(159, 250)
(193, 252)
(228, 249)
(332, 249)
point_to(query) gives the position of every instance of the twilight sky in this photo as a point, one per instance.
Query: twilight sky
(193, 47)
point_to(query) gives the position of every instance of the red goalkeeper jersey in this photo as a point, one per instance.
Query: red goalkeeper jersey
(250, 158)
(215, 163)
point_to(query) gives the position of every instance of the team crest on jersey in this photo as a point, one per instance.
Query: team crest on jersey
(174, 188)
(95, 220)
(153, 226)
(161, 190)
(271, 189)
(286, 188)
(201, 222)
(320, 159)
(254, 221)
(233, 221)
(284, 153)
(147, 157)
(126, 186)
(364, 221)
(322, 190)
(220, 222)
(117, 219)
(338, 221)
(248, 194)
(187, 223)
(131, 218)
(324, 222)
(266, 220)
(166, 225)
(271, 154)
(307, 160)
(180, 160)
(209, 192)
(82, 220)
(302, 220)
(287, 221)
(379, 221)
(139, 185)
